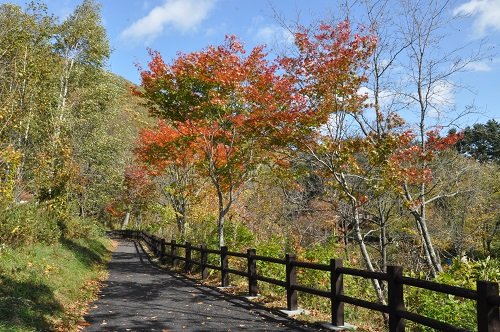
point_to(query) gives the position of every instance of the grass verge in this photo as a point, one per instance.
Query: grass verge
(48, 287)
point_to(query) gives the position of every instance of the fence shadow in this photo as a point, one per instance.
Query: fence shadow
(214, 294)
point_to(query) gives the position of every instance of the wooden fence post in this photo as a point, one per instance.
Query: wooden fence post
(337, 289)
(204, 261)
(252, 273)
(187, 265)
(488, 319)
(162, 251)
(291, 280)
(156, 246)
(173, 253)
(396, 298)
(224, 264)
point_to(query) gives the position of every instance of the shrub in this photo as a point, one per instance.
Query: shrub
(28, 223)
(448, 308)
(79, 228)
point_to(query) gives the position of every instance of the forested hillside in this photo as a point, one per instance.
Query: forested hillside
(67, 129)
(227, 146)
(68, 125)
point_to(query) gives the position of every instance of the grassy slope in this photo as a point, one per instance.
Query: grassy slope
(46, 287)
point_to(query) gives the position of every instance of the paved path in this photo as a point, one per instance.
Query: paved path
(141, 297)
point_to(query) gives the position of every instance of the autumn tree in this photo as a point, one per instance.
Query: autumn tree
(430, 70)
(81, 49)
(177, 178)
(64, 139)
(413, 73)
(100, 148)
(81, 41)
(223, 109)
(466, 223)
(25, 68)
(330, 70)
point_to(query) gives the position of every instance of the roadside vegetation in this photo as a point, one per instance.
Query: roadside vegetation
(49, 287)
(63, 153)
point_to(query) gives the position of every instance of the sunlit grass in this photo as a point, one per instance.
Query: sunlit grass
(46, 287)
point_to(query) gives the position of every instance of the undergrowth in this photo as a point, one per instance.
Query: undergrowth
(47, 286)
(446, 308)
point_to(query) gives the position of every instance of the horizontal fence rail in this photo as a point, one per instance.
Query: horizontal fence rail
(486, 296)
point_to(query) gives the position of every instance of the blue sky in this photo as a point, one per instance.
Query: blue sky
(171, 26)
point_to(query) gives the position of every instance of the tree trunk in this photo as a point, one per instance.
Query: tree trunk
(366, 256)
(126, 221)
(383, 243)
(432, 258)
(223, 209)
(63, 94)
(220, 230)
(138, 220)
(345, 239)
(184, 228)
(181, 225)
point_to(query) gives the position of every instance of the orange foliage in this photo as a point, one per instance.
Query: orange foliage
(407, 163)
(330, 68)
(224, 110)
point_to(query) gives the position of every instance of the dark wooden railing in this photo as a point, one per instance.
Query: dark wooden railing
(486, 296)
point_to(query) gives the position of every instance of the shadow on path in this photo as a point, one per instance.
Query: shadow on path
(140, 296)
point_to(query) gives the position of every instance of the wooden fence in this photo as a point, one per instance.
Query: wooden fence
(486, 296)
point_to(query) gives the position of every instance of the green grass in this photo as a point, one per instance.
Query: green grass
(47, 287)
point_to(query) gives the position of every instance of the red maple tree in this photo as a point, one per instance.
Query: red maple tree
(221, 109)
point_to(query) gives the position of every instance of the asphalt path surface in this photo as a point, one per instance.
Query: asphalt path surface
(139, 296)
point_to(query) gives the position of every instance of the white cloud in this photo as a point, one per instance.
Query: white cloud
(181, 15)
(479, 66)
(272, 34)
(386, 97)
(441, 98)
(269, 34)
(210, 32)
(442, 94)
(486, 14)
